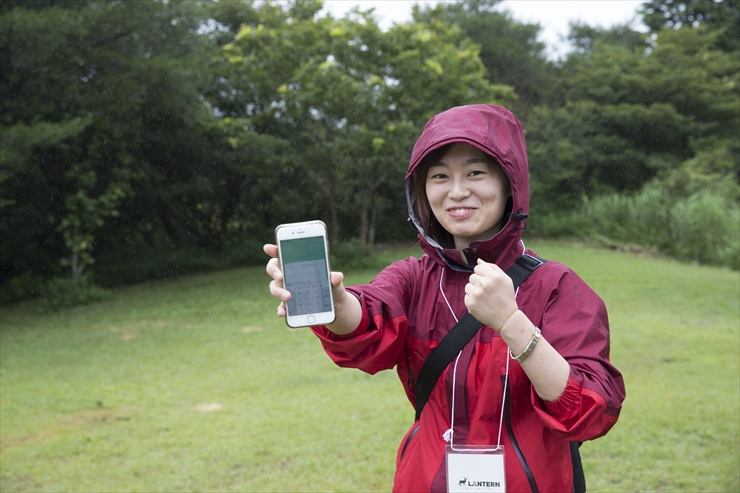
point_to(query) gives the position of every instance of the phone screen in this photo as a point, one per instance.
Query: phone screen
(305, 275)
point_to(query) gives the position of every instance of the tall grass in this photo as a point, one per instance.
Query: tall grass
(703, 227)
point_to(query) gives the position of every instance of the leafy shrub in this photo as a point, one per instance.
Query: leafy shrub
(20, 288)
(60, 293)
(641, 218)
(703, 227)
(142, 263)
(706, 230)
(138, 264)
(353, 255)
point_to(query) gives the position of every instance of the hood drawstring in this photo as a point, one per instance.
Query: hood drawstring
(518, 217)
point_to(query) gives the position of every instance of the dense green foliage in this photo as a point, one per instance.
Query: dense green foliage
(350, 101)
(141, 140)
(100, 133)
(703, 227)
(509, 49)
(628, 116)
(719, 15)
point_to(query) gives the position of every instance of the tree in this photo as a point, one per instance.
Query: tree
(584, 38)
(716, 15)
(632, 114)
(100, 101)
(508, 49)
(348, 97)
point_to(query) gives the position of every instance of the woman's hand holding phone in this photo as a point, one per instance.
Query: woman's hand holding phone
(347, 307)
(276, 285)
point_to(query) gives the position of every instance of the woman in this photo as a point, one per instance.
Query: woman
(467, 190)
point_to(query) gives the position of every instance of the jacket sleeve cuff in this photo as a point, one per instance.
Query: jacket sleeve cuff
(578, 414)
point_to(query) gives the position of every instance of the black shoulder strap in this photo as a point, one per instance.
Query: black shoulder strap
(441, 356)
(460, 334)
(579, 478)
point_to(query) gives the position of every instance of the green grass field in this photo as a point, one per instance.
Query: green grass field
(193, 384)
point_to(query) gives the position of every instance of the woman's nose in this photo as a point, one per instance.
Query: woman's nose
(458, 190)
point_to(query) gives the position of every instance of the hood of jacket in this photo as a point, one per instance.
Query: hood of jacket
(497, 132)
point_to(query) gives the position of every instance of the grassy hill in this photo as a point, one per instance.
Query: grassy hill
(194, 384)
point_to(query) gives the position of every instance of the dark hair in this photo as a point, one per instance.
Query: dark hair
(423, 210)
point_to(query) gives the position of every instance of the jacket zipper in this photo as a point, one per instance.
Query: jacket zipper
(514, 443)
(408, 440)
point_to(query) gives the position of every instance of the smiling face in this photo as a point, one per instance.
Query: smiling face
(467, 193)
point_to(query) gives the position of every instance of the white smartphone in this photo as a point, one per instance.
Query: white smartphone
(304, 259)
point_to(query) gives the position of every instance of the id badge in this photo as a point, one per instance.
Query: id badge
(477, 468)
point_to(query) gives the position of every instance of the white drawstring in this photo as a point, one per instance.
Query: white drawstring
(503, 401)
(447, 435)
(445, 297)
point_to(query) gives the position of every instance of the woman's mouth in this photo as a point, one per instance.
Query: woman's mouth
(460, 212)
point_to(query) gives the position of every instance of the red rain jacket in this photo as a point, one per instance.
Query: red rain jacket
(405, 315)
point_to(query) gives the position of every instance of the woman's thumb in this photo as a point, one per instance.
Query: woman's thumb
(336, 279)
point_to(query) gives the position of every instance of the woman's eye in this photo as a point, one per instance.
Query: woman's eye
(438, 176)
(475, 173)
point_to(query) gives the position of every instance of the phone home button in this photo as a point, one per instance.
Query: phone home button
(311, 319)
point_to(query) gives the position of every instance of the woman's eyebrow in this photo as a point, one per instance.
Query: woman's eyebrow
(473, 160)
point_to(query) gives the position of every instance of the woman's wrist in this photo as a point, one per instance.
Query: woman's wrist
(506, 321)
(347, 314)
(530, 346)
(517, 332)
